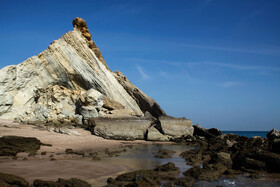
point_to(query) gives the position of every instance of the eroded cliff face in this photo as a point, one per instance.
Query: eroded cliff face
(53, 84)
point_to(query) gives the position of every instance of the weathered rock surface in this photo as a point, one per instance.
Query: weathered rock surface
(68, 62)
(230, 155)
(202, 132)
(73, 182)
(154, 135)
(7, 180)
(132, 128)
(274, 140)
(70, 83)
(166, 172)
(11, 145)
(176, 127)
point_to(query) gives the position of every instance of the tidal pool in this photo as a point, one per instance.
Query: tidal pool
(141, 156)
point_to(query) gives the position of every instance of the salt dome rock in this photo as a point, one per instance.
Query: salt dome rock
(69, 80)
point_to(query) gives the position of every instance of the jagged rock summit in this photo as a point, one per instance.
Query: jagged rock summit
(70, 81)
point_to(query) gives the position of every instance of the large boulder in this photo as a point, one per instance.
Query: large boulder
(176, 127)
(130, 128)
(155, 135)
(202, 132)
(11, 145)
(92, 97)
(12, 180)
(274, 140)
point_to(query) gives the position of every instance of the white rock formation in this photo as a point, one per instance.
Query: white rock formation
(68, 62)
(70, 83)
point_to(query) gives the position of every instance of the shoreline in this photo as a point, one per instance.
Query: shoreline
(94, 159)
(82, 166)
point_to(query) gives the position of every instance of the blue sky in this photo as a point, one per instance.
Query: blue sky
(216, 62)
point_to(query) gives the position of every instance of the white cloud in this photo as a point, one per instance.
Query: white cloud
(144, 75)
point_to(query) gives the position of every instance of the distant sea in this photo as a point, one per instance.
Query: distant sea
(248, 134)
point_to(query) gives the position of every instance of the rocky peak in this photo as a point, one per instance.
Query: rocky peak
(81, 25)
(70, 81)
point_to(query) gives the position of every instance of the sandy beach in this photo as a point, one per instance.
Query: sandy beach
(64, 165)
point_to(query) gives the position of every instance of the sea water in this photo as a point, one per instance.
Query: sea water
(248, 134)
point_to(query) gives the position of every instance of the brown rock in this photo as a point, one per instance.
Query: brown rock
(12, 180)
(110, 104)
(185, 181)
(81, 25)
(11, 145)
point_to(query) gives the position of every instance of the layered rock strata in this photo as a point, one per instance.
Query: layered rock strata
(67, 62)
(70, 83)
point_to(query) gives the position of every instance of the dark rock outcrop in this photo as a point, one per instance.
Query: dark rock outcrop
(202, 132)
(11, 145)
(7, 180)
(166, 172)
(274, 140)
(73, 182)
(230, 154)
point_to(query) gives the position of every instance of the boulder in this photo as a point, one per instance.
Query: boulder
(88, 112)
(254, 164)
(61, 183)
(185, 181)
(176, 127)
(130, 128)
(166, 172)
(111, 104)
(92, 98)
(155, 135)
(215, 131)
(11, 145)
(202, 132)
(274, 140)
(224, 158)
(12, 180)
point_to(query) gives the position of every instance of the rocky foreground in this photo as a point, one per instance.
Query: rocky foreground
(219, 155)
(215, 155)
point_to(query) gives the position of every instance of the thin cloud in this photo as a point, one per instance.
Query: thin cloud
(144, 75)
(229, 84)
(235, 66)
(263, 51)
(219, 64)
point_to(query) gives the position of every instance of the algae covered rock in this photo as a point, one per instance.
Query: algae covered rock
(7, 180)
(11, 145)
